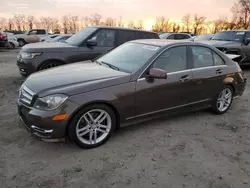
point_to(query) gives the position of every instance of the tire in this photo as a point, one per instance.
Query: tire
(225, 97)
(49, 64)
(82, 137)
(21, 42)
(10, 45)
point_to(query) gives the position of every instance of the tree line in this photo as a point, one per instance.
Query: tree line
(193, 23)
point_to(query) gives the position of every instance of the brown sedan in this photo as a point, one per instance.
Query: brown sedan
(87, 101)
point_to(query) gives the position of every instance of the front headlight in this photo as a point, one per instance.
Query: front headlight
(29, 55)
(50, 102)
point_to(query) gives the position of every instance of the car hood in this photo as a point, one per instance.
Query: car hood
(74, 79)
(48, 47)
(219, 43)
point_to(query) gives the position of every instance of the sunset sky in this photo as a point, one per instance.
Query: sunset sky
(128, 9)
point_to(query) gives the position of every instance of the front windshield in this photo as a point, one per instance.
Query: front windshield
(129, 57)
(229, 36)
(78, 38)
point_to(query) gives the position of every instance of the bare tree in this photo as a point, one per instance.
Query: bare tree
(242, 10)
(46, 23)
(220, 24)
(3, 23)
(74, 23)
(30, 21)
(198, 23)
(19, 21)
(66, 23)
(85, 21)
(161, 24)
(110, 21)
(187, 21)
(10, 24)
(131, 24)
(95, 19)
(120, 23)
(55, 26)
(140, 24)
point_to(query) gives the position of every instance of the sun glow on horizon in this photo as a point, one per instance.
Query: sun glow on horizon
(148, 24)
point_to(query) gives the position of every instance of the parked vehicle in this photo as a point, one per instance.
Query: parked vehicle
(49, 37)
(175, 36)
(61, 38)
(11, 41)
(140, 79)
(3, 38)
(233, 42)
(203, 37)
(14, 32)
(84, 45)
(31, 36)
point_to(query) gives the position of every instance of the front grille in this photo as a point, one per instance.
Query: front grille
(26, 95)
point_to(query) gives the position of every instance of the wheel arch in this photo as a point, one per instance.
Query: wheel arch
(117, 115)
(230, 81)
(47, 60)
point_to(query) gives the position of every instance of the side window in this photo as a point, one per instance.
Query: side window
(186, 36)
(171, 36)
(202, 56)
(180, 36)
(33, 32)
(41, 32)
(218, 60)
(125, 36)
(146, 35)
(105, 38)
(172, 60)
(247, 35)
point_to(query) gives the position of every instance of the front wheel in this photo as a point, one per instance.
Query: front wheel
(223, 100)
(49, 64)
(10, 45)
(92, 126)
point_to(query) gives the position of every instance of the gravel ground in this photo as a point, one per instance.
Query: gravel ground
(193, 150)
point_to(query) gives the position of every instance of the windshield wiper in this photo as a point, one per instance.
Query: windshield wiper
(221, 39)
(108, 64)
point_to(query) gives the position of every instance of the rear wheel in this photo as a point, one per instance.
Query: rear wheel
(223, 100)
(21, 42)
(92, 126)
(50, 64)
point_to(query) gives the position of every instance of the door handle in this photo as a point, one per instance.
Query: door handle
(219, 71)
(184, 78)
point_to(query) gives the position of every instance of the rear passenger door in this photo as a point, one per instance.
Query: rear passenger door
(209, 70)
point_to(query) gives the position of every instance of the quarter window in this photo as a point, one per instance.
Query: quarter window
(172, 60)
(218, 60)
(202, 56)
(171, 36)
(105, 38)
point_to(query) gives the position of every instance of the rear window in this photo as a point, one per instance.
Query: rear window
(41, 32)
(147, 35)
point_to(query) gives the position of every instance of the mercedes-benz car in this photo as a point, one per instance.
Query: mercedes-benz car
(87, 101)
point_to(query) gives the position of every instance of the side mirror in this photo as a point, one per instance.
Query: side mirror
(247, 41)
(157, 73)
(92, 42)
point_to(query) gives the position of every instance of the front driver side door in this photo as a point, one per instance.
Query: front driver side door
(166, 94)
(105, 41)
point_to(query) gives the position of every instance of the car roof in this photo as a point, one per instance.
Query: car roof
(234, 30)
(163, 42)
(121, 28)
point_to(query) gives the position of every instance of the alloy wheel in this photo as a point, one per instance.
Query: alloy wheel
(224, 100)
(93, 126)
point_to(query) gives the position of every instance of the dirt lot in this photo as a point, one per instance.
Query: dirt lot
(194, 150)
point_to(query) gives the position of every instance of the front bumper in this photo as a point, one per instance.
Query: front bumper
(41, 124)
(25, 67)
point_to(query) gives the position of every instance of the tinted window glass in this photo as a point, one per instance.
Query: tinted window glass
(180, 36)
(186, 36)
(171, 36)
(34, 32)
(146, 35)
(202, 56)
(79, 37)
(125, 36)
(247, 35)
(41, 32)
(130, 56)
(172, 60)
(218, 60)
(105, 38)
